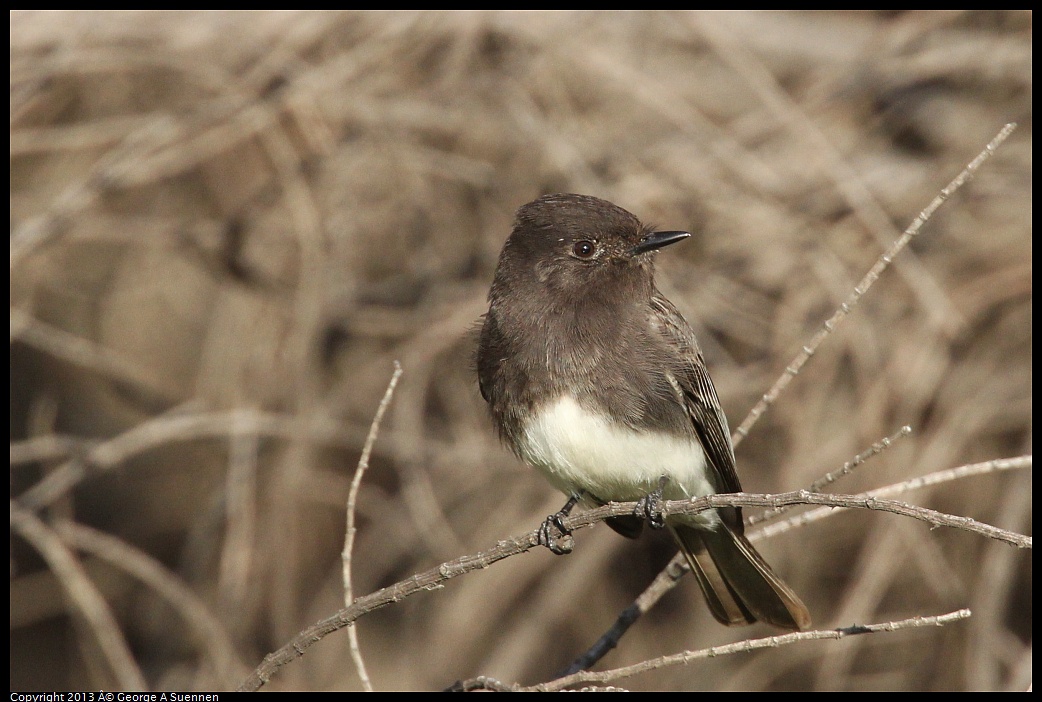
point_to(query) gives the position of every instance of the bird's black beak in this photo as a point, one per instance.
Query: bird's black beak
(656, 240)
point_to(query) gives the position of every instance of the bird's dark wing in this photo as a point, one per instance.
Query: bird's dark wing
(487, 354)
(699, 395)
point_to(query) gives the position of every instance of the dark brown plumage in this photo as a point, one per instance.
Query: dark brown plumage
(594, 377)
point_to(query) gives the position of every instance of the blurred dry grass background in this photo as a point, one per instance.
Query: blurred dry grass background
(226, 226)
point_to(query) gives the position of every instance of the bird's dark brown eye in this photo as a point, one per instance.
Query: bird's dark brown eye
(584, 249)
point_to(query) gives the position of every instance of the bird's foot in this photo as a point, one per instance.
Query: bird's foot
(649, 507)
(554, 534)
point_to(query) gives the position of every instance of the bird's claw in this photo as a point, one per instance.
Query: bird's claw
(555, 535)
(649, 507)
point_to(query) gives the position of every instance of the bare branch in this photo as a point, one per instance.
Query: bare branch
(743, 647)
(349, 538)
(900, 488)
(866, 282)
(848, 467)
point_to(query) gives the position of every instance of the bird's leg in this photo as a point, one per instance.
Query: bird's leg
(649, 507)
(554, 534)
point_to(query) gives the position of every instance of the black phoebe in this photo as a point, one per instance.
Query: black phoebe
(594, 378)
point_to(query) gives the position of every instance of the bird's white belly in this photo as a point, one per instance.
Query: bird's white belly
(580, 450)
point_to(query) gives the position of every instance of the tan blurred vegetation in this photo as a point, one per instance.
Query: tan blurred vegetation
(225, 227)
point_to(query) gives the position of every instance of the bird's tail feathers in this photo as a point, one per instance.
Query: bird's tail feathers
(739, 586)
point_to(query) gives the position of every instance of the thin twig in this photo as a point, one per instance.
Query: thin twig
(741, 647)
(584, 676)
(866, 282)
(349, 538)
(941, 476)
(873, 450)
(829, 478)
